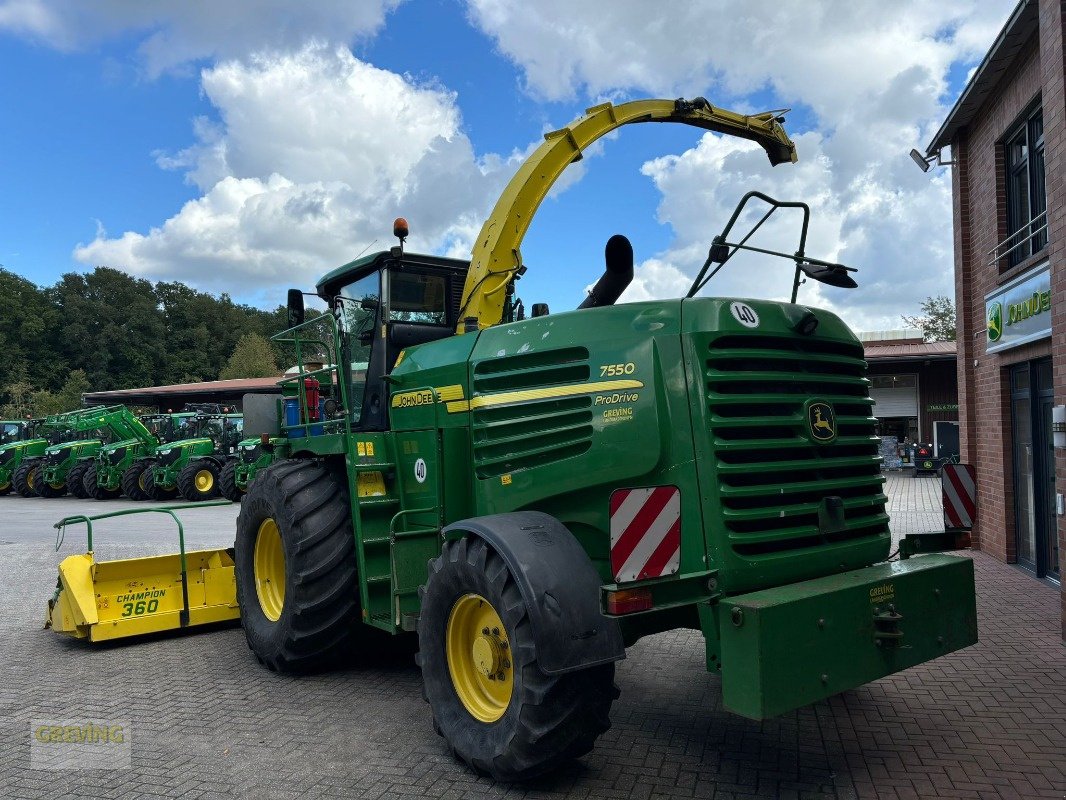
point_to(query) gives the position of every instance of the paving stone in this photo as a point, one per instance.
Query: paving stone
(988, 722)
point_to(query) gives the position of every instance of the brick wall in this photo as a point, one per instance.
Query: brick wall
(979, 224)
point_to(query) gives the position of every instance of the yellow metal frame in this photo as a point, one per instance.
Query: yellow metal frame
(103, 600)
(496, 257)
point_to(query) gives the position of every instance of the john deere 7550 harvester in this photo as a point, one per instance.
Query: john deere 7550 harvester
(575, 481)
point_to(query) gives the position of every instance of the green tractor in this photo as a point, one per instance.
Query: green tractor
(70, 465)
(121, 467)
(253, 455)
(192, 464)
(18, 439)
(18, 460)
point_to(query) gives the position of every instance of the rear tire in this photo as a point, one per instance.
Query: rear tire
(227, 482)
(300, 613)
(75, 478)
(24, 480)
(94, 489)
(132, 480)
(199, 481)
(543, 720)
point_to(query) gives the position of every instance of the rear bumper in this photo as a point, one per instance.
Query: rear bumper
(793, 645)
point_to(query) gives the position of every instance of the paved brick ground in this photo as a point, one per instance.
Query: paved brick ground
(988, 722)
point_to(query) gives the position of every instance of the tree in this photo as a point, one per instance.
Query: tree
(937, 319)
(253, 357)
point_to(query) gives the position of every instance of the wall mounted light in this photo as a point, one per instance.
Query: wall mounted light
(925, 162)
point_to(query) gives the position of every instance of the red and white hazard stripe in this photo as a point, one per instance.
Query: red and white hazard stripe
(645, 532)
(960, 496)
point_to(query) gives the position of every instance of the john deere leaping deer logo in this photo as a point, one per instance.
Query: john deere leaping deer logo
(995, 322)
(822, 422)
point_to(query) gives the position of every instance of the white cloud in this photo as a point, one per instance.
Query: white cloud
(178, 32)
(315, 154)
(872, 76)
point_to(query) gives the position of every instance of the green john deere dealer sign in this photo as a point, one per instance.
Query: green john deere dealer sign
(1020, 311)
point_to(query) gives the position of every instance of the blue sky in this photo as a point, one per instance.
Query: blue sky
(247, 148)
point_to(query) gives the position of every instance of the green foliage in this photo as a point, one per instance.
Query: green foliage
(252, 358)
(116, 331)
(937, 320)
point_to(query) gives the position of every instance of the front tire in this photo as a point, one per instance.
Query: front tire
(520, 722)
(133, 480)
(296, 568)
(198, 481)
(75, 478)
(46, 489)
(94, 490)
(227, 482)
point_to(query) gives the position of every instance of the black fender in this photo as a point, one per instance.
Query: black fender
(559, 584)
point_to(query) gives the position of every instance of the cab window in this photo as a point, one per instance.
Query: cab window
(418, 298)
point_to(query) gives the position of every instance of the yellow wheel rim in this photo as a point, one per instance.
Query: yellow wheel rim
(31, 478)
(269, 563)
(141, 480)
(204, 480)
(479, 658)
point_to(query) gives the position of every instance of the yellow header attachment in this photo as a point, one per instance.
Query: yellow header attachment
(496, 256)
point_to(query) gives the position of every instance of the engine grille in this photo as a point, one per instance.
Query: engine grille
(533, 431)
(117, 455)
(773, 480)
(7, 455)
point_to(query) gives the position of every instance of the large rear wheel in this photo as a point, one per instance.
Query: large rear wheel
(296, 568)
(490, 700)
(24, 480)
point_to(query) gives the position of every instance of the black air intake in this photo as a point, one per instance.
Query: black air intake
(618, 255)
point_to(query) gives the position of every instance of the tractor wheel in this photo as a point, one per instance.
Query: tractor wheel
(155, 492)
(46, 489)
(25, 478)
(95, 490)
(75, 477)
(199, 481)
(5, 486)
(296, 568)
(227, 482)
(490, 700)
(133, 480)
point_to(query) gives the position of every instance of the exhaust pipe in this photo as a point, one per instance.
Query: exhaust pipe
(618, 255)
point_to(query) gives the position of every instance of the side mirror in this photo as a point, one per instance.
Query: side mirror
(296, 307)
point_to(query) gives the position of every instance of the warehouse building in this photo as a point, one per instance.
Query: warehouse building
(1007, 140)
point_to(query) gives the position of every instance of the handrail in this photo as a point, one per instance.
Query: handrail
(1026, 229)
(292, 336)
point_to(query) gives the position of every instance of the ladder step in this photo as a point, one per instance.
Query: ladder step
(382, 466)
(379, 579)
(376, 540)
(370, 502)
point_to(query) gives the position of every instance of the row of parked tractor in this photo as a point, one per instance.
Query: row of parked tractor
(110, 452)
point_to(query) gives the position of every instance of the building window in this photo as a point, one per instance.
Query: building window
(1026, 193)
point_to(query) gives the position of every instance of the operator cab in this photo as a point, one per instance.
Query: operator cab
(383, 303)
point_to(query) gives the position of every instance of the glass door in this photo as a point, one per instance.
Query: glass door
(1036, 524)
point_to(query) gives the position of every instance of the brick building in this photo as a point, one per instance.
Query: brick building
(1007, 135)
